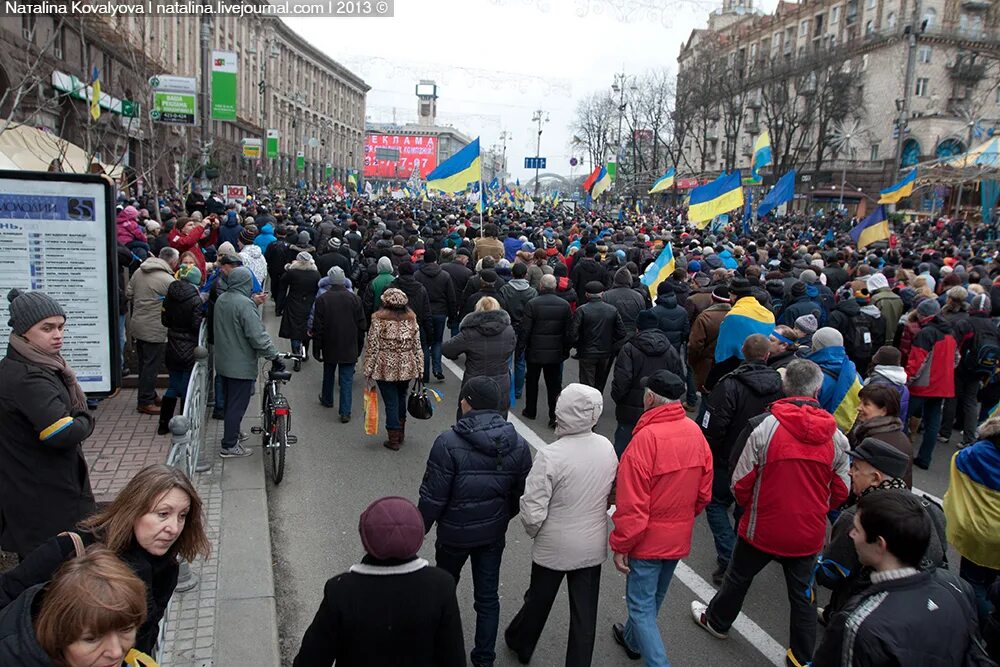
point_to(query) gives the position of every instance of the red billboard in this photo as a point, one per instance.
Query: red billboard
(395, 155)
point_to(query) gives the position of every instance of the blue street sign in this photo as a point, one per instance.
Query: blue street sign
(534, 163)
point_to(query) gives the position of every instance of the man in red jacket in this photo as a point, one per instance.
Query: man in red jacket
(930, 372)
(793, 470)
(664, 482)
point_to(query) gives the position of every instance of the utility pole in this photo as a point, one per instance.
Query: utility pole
(619, 87)
(903, 105)
(504, 136)
(206, 109)
(968, 147)
(539, 117)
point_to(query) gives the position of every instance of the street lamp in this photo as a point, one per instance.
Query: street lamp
(539, 117)
(621, 82)
(504, 136)
(845, 133)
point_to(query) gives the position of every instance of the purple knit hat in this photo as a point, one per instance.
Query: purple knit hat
(391, 529)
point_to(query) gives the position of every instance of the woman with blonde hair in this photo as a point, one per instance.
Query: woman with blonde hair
(86, 616)
(393, 357)
(487, 340)
(154, 520)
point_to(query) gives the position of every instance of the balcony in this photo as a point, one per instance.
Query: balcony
(976, 5)
(712, 134)
(966, 70)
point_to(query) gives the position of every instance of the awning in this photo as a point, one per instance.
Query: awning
(983, 155)
(26, 148)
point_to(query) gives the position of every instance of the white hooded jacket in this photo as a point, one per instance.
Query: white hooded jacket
(565, 501)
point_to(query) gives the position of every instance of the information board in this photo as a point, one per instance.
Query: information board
(395, 155)
(57, 235)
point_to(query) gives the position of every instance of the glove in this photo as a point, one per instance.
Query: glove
(277, 364)
(317, 353)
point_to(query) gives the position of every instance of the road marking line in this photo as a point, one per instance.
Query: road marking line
(753, 633)
(929, 495)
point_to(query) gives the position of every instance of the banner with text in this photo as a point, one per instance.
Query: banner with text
(272, 143)
(223, 85)
(398, 155)
(300, 161)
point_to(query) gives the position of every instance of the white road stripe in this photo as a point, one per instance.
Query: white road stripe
(929, 495)
(753, 633)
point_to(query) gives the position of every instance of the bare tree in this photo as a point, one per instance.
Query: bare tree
(595, 125)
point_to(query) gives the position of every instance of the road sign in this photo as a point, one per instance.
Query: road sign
(573, 162)
(534, 163)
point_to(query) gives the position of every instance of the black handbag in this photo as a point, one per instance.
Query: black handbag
(419, 404)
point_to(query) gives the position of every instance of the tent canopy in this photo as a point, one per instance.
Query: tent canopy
(26, 148)
(983, 155)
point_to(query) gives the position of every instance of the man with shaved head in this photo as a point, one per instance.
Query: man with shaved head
(739, 396)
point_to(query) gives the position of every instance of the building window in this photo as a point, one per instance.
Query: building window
(921, 88)
(929, 18)
(874, 153)
(803, 28)
(890, 20)
(869, 28)
(924, 54)
(834, 16)
(871, 4)
(998, 97)
(59, 43)
(28, 27)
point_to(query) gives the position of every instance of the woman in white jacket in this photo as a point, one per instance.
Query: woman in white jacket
(564, 509)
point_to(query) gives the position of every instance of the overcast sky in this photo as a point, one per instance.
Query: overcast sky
(497, 61)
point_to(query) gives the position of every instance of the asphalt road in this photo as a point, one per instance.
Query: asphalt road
(335, 471)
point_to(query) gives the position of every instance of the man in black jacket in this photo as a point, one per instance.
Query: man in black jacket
(544, 341)
(335, 254)
(587, 269)
(516, 295)
(674, 321)
(597, 333)
(626, 299)
(906, 617)
(454, 264)
(488, 285)
(645, 353)
(441, 293)
(738, 396)
(471, 488)
(338, 334)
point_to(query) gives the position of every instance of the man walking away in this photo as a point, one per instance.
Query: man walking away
(475, 475)
(147, 288)
(791, 473)
(444, 306)
(664, 482)
(516, 295)
(338, 335)
(597, 333)
(545, 330)
(564, 510)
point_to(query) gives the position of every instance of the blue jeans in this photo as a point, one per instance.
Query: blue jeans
(981, 579)
(930, 410)
(121, 341)
(520, 370)
(692, 391)
(623, 436)
(394, 395)
(717, 513)
(645, 589)
(178, 383)
(432, 361)
(220, 394)
(485, 590)
(346, 372)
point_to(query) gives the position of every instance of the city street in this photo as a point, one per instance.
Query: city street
(335, 471)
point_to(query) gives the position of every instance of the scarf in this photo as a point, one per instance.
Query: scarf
(53, 362)
(891, 483)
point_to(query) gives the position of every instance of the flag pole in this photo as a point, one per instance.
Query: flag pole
(482, 193)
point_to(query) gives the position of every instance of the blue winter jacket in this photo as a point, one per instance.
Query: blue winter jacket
(265, 238)
(474, 480)
(230, 230)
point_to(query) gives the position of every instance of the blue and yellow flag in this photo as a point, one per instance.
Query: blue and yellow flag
(894, 193)
(873, 228)
(746, 317)
(663, 183)
(761, 154)
(720, 196)
(457, 172)
(659, 270)
(95, 94)
(972, 503)
(602, 183)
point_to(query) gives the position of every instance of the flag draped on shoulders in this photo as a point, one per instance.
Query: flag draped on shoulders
(659, 270)
(746, 317)
(972, 502)
(841, 385)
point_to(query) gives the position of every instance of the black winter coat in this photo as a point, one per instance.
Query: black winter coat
(672, 320)
(18, 642)
(157, 573)
(469, 304)
(328, 260)
(647, 352)
(516, 295)
(276, 260)
(460, 275)
(44, 479)
(545, 329)
(339, 325)
(419, 303)
(803, 305)
(440, 289)
(474, 480)
(487, 340)
(296, 296)
(182, 313)
(585, 270)
(629, 304)
(597, 330)
(738, 397)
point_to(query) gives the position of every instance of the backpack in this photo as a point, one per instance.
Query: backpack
(981, 357)
(858, 342)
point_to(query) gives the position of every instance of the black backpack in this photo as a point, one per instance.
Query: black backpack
(981, 357)
(859, 338)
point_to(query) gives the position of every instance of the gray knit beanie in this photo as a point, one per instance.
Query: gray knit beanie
(928, 308)
(29, 308)
(384, 265)
(827, 337)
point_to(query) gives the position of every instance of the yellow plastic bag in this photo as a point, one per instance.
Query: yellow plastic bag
(371, 411)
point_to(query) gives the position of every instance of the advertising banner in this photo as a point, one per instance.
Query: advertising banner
(175, 99)
(300, 161)
(235, 193)
(397, 155)
(251, 147)
(328, 172)
(272, 143)
(223, 85)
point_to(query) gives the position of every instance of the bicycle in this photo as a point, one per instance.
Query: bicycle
(276, 419)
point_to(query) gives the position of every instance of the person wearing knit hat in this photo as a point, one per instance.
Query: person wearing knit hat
(226, 248)
(841, 381)
(628, 301)
(248, 235)
(807, 324)
(183, 310)
(360, 620)
(44, 418)
(296, 294)
(704, 336)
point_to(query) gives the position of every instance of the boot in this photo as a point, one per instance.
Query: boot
(402, 431)
(914, 426)
(395, 439)
(167, 407)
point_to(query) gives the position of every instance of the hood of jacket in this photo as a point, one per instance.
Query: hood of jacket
(487, 431)
(871, 311)
(17, 632)
(671, 412)
(231, 221)
(486, 322)
(252, 251)
(667, 300)
(805, 420)
(849, 307)
(267, 229)
(761, 379)
(651, 342)
(154, 264)
(182, 290)
(399, 251)
(578, 409)
(519, 284)
(830, 359)
(240, 280)
(894, 374)
(877, 425)
(430, 270)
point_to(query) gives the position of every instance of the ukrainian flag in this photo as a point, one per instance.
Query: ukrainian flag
(900, 190)
(659, 270)
(664, 183)
(873, 228)
(841, 385)
(720, 196)
(457, 172)
(761, 155)
(972, 504)
(746, 317)
(602, 183)
(95, 94)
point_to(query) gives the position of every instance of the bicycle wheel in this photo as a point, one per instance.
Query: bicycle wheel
(277, 449)
(265, 419)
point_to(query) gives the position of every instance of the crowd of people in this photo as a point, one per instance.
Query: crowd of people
(782, 381)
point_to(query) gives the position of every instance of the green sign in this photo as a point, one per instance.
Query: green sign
(329, 171)
(613, 171)
(223, 85)
(300, 161)
(179, 108)
(272, 143)
(130, 109)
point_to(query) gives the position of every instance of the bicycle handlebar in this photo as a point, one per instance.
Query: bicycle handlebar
(292, 356)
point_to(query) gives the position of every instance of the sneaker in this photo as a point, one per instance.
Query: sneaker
(439, 375)
(821, 616)
(719, 575)
(944, 438)
(324, 403)
(243, 437)
(218, 415)
(345, 418)
(698, 610)
(236, 452)
(618, 632)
